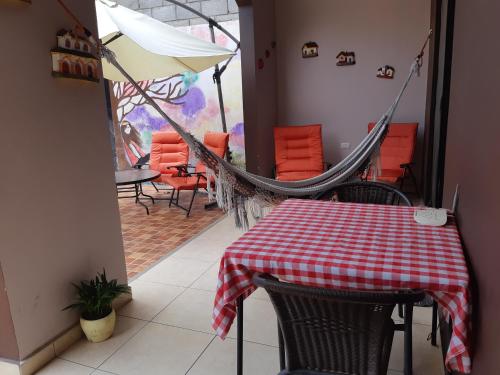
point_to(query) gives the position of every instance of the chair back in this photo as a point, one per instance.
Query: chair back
(328, 331)
(215, 142)
(168, 149)
(298, 152)
(398, 146)
(367, 192)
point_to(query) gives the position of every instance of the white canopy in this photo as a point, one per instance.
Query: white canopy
(148, 48)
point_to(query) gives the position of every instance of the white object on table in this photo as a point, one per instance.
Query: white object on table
(435, 217)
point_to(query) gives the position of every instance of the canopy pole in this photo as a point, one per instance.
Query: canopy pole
(216, 77)
(218, 70)
(217, 81)
(208, 19)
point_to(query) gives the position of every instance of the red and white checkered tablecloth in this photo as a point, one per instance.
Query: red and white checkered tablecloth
(351, 246)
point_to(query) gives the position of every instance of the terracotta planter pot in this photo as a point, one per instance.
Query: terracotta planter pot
(99, 330)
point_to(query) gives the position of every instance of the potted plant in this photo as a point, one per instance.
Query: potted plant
(94, 302)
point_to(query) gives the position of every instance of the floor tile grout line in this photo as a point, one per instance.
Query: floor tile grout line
(199, 277)
(76, 363)
(197, 331)
(106, 371)
(201, 331)
(202, 290)
(187, 329)
(254, 342)
(133, 317)
(159, 282)
(210, 265)
(152, 319)
(125, 342)
(170, 253)
(211, 333)
(201, 354)
(212, 262)
(175, 298)
(181, 286)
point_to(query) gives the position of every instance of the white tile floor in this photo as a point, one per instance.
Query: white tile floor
(166, 328)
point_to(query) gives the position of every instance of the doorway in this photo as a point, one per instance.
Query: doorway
(443, 16)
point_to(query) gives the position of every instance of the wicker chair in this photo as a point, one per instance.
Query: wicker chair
(366, 192)
(327, 331)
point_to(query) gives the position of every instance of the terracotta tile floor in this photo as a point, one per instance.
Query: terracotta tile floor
(147, 239)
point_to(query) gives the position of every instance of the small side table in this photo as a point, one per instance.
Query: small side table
(126, 178)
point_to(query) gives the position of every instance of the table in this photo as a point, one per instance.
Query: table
(135, 177)
(350, 246)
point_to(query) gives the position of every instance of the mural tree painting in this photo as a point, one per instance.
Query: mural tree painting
(127, 98)
(190, 99)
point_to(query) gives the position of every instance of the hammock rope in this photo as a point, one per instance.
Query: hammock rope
(237, 189)
(234, 186)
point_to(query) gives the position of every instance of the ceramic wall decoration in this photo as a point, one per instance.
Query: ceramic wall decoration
(73, 58)
(386, 72)
(260, 64)
(345, 58)
(310, 49)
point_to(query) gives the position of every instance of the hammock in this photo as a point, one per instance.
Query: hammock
(236, 188)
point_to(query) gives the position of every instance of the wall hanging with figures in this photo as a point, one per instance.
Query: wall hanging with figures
(74, 58)
(127, 99)
(190, 98)
(346, 58)
(386, 72)
(310, 49)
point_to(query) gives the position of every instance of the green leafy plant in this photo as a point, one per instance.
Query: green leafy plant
(94, 297)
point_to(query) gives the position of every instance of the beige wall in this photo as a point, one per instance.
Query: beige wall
(8, 342)
(59, 215)
(345, 99)
(259, 85)
(472, 156)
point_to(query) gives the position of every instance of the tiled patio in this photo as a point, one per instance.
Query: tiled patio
(147, 239)
(166, 328)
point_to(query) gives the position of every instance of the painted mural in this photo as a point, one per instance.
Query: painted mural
(190, 99)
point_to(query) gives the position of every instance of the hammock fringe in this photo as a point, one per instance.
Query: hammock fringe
(239, 192)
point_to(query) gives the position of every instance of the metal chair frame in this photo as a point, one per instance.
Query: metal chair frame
(367, 192)
(329, 331)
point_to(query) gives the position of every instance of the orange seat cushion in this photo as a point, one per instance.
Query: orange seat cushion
(398, 148)
(298, 152)
(184, 183)
(217, 143)
(168, 150)
(296, 176)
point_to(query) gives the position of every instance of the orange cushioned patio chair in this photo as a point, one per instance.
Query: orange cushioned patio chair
(185, 180)
(396, 153)
(168, 152)
(298, 152)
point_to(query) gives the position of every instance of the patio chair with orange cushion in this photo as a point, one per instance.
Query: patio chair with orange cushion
(298, 152)
(168, 151)
(396, 153)
(185, 180)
